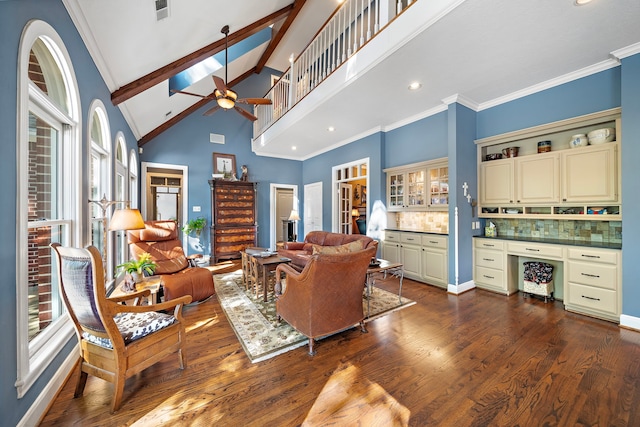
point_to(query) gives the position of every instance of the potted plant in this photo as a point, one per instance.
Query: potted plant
(137, 268)
(194, 226)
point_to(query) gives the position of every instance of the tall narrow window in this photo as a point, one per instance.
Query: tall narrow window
(133, 179)
(121, 193)
(48, 171)
(99, 174)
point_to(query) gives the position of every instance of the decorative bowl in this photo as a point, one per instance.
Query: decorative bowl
(600, 136)
(578, 140)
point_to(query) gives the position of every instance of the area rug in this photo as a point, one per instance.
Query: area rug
(255, 323)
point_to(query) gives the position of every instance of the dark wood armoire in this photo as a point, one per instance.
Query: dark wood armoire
(234, 218)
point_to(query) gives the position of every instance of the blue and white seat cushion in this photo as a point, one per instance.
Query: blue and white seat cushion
(134, 326)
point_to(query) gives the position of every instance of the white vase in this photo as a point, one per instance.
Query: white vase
(137, 277)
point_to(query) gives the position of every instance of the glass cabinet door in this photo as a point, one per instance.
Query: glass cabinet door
(396, 190)
(439, 186)
(415, 188)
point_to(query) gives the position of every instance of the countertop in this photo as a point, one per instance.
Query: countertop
(566, 242)
(406, 230)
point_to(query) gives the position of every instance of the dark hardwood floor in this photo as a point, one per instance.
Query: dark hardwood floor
(477, 359)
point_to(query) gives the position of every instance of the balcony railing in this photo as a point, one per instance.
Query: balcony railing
(352, 25)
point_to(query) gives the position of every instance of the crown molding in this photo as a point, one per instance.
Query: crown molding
(626, 51)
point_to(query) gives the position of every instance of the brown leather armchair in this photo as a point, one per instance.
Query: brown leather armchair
(326, 296)
(160, 239)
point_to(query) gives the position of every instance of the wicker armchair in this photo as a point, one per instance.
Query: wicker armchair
(116, 341)
(326, 296)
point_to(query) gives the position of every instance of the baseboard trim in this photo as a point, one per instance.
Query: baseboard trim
(461, 288)
(40, 406)
(630, 322)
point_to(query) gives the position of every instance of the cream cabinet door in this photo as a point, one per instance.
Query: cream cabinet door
(496, 182)
(391, 252)
(590, 174)
(434, 266)
(411, 260)
(538, 178)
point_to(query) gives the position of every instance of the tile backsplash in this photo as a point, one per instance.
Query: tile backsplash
(582, 231)
(434, 222)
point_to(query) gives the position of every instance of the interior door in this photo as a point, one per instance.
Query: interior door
(284, 205)
(346, 196)
(312, 207)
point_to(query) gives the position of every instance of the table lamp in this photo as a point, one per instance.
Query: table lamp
(294, 217)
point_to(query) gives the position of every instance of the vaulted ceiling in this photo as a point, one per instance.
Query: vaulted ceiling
(479, 52)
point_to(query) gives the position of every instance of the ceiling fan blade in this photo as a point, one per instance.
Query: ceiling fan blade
(211, 110)
(192, 94)
(245, 113)
(257, 101)
(220, 85)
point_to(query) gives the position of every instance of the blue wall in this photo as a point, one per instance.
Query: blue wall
(630, 194)
(425, 139)
(187, 143)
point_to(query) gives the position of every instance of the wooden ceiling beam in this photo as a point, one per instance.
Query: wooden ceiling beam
(145, 82)
(273, 44)
(178, 117)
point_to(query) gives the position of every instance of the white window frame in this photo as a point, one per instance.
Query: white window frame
(121, 250)
(102, 150)
(133, 179)
(34, 356)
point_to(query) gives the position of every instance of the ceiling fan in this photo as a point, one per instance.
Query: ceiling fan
(225, 97)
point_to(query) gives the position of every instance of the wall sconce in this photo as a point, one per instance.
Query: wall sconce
(471, 200)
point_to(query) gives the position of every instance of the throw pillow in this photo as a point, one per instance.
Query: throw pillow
(342, 249)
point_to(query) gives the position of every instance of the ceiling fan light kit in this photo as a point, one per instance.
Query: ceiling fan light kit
(225, 97)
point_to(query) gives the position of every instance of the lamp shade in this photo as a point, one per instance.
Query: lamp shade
(126, 219)
(354, 212)
(294, 216)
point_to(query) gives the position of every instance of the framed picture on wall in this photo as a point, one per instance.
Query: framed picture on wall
(224, 164)
(363, 195)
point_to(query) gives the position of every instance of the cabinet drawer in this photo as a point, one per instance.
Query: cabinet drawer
(489, 244)
(593, 298)
(391, 236)
(594, 255)
(490, 277)
(432, 241)
(535, 250)
(489, 258)
(600, 275)
(410, 238)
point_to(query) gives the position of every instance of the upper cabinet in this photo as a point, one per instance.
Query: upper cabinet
(418, 187)
(582, 182)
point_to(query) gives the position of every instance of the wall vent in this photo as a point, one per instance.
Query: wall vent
(162, 9)
(216, 138)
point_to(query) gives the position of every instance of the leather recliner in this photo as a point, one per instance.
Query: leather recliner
(160, 239)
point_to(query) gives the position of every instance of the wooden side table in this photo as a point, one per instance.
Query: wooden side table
(153, 283)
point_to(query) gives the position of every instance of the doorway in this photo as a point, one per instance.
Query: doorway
(164, 195)
(350, 200)
(284, 199)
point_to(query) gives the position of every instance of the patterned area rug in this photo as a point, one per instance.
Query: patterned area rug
(254, 321)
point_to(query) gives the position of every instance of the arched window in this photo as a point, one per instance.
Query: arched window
(99, 172)
(48, 194)
(121, 193)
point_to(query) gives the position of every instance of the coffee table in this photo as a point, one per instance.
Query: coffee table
(267, 264)
(384, 267)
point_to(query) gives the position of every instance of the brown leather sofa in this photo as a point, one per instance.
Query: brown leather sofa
(326, 296)
(300, 252)
(160, 239)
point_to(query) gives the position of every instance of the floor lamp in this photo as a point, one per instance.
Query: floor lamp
(122, 219)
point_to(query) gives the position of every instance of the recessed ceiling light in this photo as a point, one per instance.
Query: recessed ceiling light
(294, 148)
(581, 2)
(331, 128)
(415, 86)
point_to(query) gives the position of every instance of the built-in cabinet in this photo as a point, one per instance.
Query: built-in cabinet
(424, 256)
(577, 183)
(418, 187)
(590, 283)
